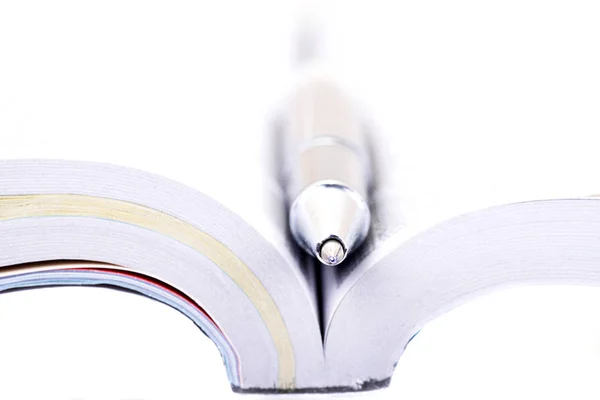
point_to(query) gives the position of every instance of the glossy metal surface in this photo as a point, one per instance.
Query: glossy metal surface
(329, 210)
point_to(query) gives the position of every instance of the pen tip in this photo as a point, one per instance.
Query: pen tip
(332, 252)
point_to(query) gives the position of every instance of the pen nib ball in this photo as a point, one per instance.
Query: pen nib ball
(332, 252)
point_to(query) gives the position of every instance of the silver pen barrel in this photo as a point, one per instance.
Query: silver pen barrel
(327, 173)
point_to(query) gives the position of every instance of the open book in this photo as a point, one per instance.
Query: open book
(204, 229)
(281, 322)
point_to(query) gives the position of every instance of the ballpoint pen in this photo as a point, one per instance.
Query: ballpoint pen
(327, 172)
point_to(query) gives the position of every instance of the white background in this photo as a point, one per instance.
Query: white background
(483, 102)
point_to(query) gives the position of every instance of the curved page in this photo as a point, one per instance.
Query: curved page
(151, 226)
(551, 241)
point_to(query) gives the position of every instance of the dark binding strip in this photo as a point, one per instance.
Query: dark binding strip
(368, 385)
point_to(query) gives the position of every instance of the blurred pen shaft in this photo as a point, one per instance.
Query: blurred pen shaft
(327, 139)
(327, 171)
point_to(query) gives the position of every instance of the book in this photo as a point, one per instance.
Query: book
(281, 322)
(157, 219)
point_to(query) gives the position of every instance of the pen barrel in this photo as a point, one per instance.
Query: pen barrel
(327, 173)
(325, 140)
(328, 159)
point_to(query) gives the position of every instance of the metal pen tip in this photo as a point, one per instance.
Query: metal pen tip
(332, 252)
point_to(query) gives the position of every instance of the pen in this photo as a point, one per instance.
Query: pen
(327, 173)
